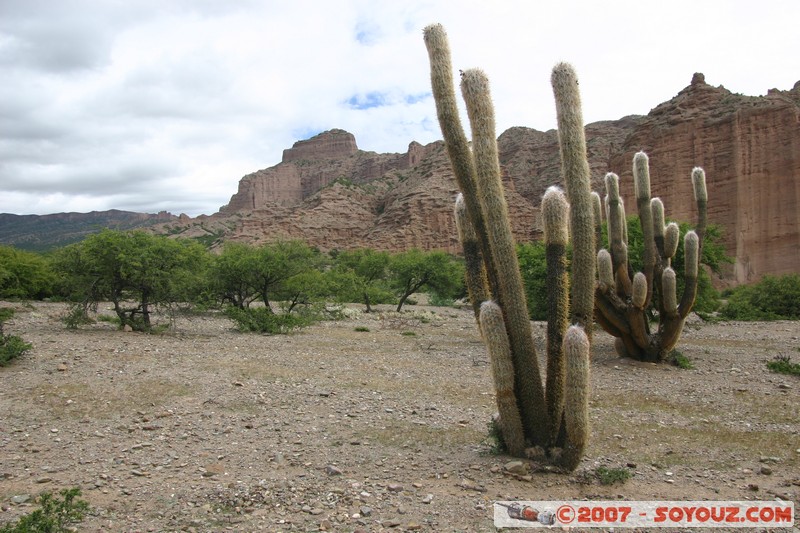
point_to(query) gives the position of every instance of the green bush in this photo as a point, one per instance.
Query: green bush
(136, 271)
(437, 300)
(25, 275)
(263, 320)
(782, 364)
(55, 515)
(77, 315)
(533, 268)
(11, 346)
(681, 361)
(494, 440)
(772, 298)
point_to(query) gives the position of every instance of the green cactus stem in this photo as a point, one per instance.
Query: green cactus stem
(477, 285)
(555, 216)
(576, 412)
(503, 254)
(528, 415)
(456, 143)
(622, 308)
(494, 334)
(576, 176)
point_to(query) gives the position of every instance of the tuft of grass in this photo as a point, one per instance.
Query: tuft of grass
(361, 328)
(409, 333)
(55, 515)
(681, 361)
(782, 364)
(609, 476)
(111, 319)
(494, 440)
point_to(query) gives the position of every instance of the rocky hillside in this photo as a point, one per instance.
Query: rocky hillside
(335, 196)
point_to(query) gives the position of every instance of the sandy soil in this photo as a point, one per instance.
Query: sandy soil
(203, 428)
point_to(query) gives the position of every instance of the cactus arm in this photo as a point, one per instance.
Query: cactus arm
(657, 207)
(701, 199)
(639, 295)
(555, 211)
(611, 313)
(638, 339)
(503, 259)
(494, 334)
(624, 219)
(691, 256)
(669, 293)
(605, 270)
(576, 396)
(672, 234)
(641, 180)
(455, 139)
(616, 235)
(575, 168)
(597, 209)
(475, 270)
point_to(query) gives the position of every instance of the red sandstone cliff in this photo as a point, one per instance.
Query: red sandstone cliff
(333, 195)
(749, 148)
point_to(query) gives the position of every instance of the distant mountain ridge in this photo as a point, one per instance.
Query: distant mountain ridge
(41, 233)
(335, 196)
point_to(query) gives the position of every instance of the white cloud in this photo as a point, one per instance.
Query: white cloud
(156, 105)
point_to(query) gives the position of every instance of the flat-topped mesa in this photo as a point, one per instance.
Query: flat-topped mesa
(326, 145)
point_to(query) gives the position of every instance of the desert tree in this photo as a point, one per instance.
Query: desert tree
(136, 271)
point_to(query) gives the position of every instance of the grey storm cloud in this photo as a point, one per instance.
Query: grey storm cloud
(64, 39)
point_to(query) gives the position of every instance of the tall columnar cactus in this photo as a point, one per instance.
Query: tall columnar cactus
(623, 302)
(529, 416)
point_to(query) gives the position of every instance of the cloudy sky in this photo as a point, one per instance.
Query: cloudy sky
(149, 105)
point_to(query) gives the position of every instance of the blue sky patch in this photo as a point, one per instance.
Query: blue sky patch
(367, 32)
(368, 100)
(374, 99)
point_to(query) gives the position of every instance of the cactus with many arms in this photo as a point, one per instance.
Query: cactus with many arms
(621, 303)
(555, 416)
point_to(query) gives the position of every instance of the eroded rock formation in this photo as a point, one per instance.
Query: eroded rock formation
(750, 150)
(333, 195)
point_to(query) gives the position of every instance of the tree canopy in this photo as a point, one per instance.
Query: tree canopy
(134, 270)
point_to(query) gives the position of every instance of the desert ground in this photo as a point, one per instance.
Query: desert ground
(378, 422)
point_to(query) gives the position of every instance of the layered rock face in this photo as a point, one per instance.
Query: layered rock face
(309, 166)
(326, 145)
(334, 196)
(749, 148)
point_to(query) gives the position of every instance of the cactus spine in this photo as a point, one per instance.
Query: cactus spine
(621, 308)
(559, 418)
